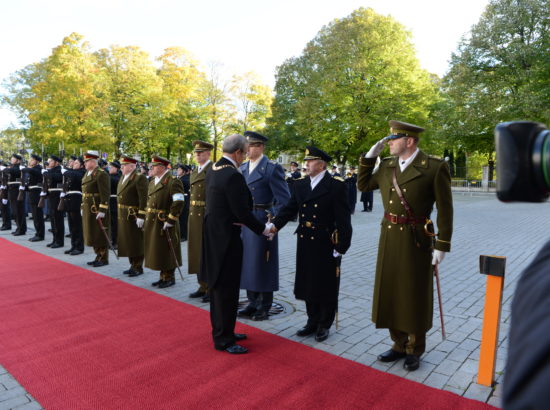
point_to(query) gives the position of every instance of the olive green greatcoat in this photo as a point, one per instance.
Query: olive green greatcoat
(403, 287)
(96, 191)
(196, 218)
(160, 197)
(131, 192)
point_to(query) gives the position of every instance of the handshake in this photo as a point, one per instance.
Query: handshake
(269, 230)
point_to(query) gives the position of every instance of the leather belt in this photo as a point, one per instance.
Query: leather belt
(156, 211)
(312, 225)
(55, 189)
(35, 187)
(122, 206)
(14, 182)
(113, 196)
(402, 220)
(263, 206)
(198, 203)
(74, 192)
(86, 195)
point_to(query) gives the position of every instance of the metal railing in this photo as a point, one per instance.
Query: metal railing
(464, 185)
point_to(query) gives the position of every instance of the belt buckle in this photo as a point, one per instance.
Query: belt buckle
(393, 218)
(308, 224)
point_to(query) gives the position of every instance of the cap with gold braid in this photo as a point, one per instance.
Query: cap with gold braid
(200, 146)
(125, 159)
(316, 153)
(90, 155)
(158, 160)
(399, 129)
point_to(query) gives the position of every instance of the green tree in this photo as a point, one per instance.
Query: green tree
(354, 76)
(253, 101)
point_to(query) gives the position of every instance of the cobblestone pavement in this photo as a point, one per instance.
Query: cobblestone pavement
(482, 226)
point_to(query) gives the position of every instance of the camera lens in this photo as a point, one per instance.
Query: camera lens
(540, 159)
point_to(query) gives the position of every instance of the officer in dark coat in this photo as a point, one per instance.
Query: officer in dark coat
(164, 204)
(228, 206)
(132, 202)
(4, 203)
(351, 182)
(197, 206)
(403, 286)
(293, 175)
(96, 191)
(323, 236)
(17, 207)
(183, 172)
(33, 180)
(266, 182)
(114, 174)
(72, 201)
(54, 177)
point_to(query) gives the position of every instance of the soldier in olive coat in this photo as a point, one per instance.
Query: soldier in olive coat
(96, 190)
(164, 204)
(403, 288)
(132, 201)
(197, 206)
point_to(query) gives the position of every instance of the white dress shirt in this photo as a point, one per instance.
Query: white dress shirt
(252, 164)
(157, 179)
(201, 167)
(404, 163)
(316, 179)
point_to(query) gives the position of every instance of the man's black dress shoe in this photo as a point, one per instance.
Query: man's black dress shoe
(306, 331)
(322, 334)
(98, 264)
(240, 336)
(18, 233)
(167, 283)
(76, 252)
(69, 251)
(49, 245)
(5, 228)
(247, 311)
(36, 239)
(233, 349)
(56, 245)
(91, 263)
(135, 273)
(197, 294)
(206, 298)
(390, 356)
(127, 271)
(156, 283)
(260, 315)
(412, 362)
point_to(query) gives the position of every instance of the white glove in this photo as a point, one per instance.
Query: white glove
(140, 222)
(438, 257)
(21, 187)
(43, 193)
(63, 170)
(44, 170)
(376, 149)
(100, 215)
(81, 212)
(2, 167)
(335, 253)
(4, 201)
(167, 226)
(62, 195)
(267, 229)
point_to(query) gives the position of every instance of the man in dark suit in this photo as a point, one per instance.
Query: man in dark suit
(323, 235)
(33, 181)
(183, 174)
(228, 207)
(17, 207)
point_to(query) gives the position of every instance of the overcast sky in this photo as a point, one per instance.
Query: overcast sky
(244, 35)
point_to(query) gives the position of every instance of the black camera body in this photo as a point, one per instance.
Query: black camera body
(523, 161)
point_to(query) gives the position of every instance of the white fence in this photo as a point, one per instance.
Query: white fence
(463, 185)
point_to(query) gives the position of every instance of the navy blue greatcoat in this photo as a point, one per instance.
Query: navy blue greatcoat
(268, 186)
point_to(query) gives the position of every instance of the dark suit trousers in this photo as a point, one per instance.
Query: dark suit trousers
(18, 211)
(114, 220)
(37, 213)
(320, 315)
(75, 227)
(6, 216)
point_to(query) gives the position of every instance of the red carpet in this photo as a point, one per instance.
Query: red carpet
(79, 340)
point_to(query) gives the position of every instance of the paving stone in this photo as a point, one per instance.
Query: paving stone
(448, 367)
(478, 392)
(437, 380)
(13, 402)
(12, 393)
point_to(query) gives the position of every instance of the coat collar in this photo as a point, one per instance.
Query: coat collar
(199, 176)
(124, 184)
(162, 183)
(413, 171)
(257, 173)
(321, 188)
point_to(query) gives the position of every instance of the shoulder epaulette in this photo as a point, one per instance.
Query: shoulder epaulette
(338, 178)
(436, 158)
(387, 158)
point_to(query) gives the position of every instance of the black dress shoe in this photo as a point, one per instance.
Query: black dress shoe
(306, 331)
(390, 356)
(127, 271)
(247, 311)
(206, 298)
(135, 273)
(240, 336)
(56, 245)
(5, 228)
(98, 264)
(36, 239)
(167, 283)
(412, 362)
(69, 251)
(322, 334)
(156, 283)
(91, 263)
(233, 349)
(18, 233)
(197, 294)
(49, 245)
(260, 315)
(76, 252)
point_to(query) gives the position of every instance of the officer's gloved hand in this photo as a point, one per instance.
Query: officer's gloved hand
(100, 215)
(376, 149)
(44, 170)
(63, 170)
(167, 226)
(43, 194)
(62, 195)
(267, 231)
(336, 254)
(438, 257)
(21, 187)
(4, 201)
(140, 222)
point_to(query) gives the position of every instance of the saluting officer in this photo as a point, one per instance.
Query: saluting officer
(197, 204)
(183, 172)
(132, 201)
(96, 191)
(72, 199)
(114, 174)
(266, 182)
(410, 182)
(323, 235)
(164, 205)
(17, 207)
(54, 177)
(33, 180)
(5, 204)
